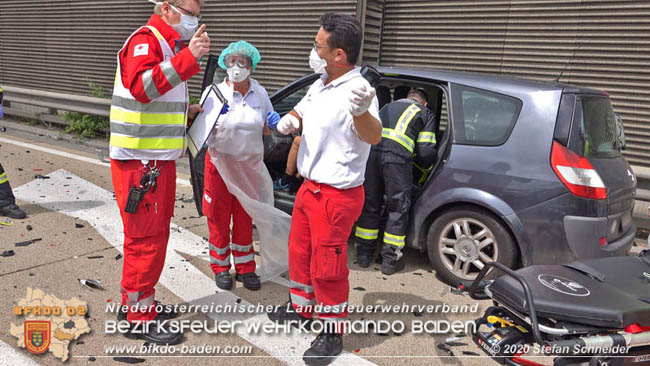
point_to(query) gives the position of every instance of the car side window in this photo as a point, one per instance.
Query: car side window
(482, 117)
(285, 105)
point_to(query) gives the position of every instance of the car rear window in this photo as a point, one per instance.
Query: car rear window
(483, 117)
(594, 131)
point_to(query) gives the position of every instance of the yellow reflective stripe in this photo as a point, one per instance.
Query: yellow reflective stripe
(427, 137)
(3, 178)
(147, 118)
(397, 240)
(369, 234)
(147, 143)
(156, 33)
(400, 138)
(406, 117)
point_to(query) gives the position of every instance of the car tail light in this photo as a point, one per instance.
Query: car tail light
(603, 241)
(576, 173)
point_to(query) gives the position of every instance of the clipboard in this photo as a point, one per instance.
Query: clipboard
(212, 101)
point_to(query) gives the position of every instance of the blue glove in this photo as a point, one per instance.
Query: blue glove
(225, 109)
(272, 119)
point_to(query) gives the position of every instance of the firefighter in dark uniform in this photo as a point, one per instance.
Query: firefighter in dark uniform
(408, 139)
(7, 200)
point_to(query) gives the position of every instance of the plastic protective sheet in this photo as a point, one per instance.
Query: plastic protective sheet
(248, 179)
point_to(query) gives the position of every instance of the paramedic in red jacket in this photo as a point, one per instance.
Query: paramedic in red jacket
(149, 113)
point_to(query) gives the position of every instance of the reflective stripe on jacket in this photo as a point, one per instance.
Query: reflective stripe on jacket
(154, 130)
(408, 131)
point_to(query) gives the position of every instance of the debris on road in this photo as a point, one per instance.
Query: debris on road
(38, 176)
(470, 353)
(130, 360)
(7, 253)
(79, 226)
(95, 256)
(28, 242)
(91, 284)
(453, 339)
(455, 344)
(457, 291)
(118, 257)
(446, 349)
(6, 222)
(29, 228)
(359, 289)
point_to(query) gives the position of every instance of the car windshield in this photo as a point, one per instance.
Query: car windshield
(596, 122)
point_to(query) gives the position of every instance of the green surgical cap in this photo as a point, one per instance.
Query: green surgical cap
(240, 48)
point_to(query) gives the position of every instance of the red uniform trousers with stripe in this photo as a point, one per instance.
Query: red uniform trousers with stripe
(220, 206)
(321, 223)
(146, 233)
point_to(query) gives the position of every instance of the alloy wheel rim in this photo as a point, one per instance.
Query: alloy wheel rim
(465, 246)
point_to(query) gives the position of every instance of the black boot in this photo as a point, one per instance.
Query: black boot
(364, 260)
(283, 313)
(324, 349)
(390, 267)
(167, 312)
(156, 331)
(13, 211)
(223, 280)
(365, 252)
(251, 280)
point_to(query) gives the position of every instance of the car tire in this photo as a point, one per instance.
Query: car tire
(461, 241)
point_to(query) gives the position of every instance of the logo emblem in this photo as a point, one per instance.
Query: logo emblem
(37, 335)
(563, 285)
(141, 50)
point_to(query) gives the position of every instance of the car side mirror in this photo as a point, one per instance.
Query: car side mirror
(371, 74)
(620, 133)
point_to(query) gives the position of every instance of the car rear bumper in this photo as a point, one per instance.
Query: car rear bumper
(583, 235)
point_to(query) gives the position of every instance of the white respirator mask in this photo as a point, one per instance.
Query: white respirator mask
(188, 25)
(237, 74)
(316, 62)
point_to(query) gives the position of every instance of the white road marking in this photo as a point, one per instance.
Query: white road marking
(13, 357)
(97, 206)
(71, 156)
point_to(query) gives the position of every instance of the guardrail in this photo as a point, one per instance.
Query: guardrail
(56, 102)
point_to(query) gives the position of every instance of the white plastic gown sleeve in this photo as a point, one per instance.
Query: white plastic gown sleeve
(246, 177)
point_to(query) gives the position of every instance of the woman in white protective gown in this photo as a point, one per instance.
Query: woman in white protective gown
(238, 187)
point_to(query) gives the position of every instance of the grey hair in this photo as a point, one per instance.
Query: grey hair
(158, 6)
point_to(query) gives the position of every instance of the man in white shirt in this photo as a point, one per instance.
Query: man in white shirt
(339, 119)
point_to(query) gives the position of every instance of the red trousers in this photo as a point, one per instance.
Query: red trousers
(220, 206)
(321, 223)
(146, 232)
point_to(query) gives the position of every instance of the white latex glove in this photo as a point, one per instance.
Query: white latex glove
(361, 98)
(288, 124)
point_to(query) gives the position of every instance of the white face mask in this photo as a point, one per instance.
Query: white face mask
(237, 74)
(188, 25)
(316, 62)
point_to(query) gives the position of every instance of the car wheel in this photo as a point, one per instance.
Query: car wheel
(462, 241)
